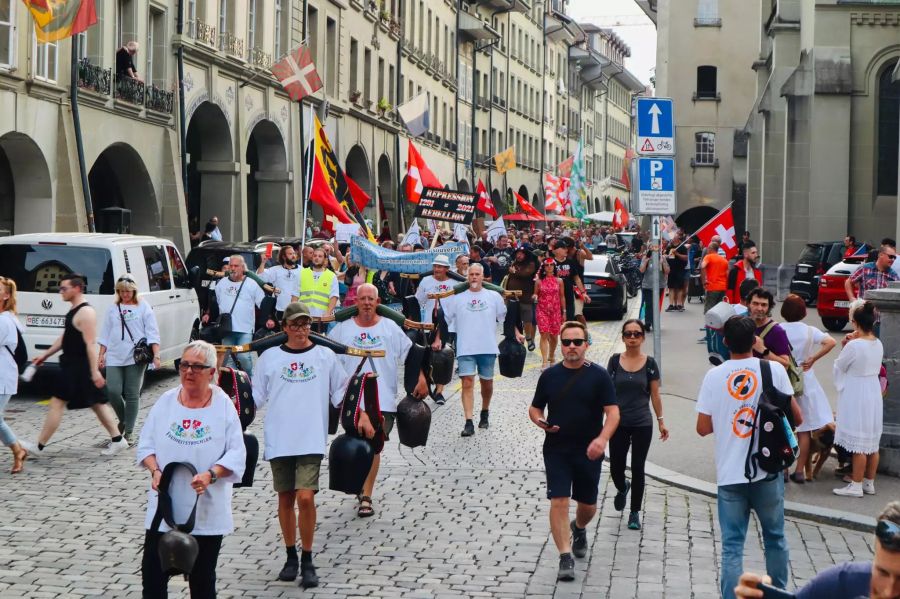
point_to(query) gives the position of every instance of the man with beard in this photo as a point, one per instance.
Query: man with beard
(284, 277)
(318, 286)
(744, 269)
(500, 257)
(436, 283)
(771, 341)
(567, 269)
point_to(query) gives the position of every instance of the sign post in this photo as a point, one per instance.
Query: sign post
(657, 334)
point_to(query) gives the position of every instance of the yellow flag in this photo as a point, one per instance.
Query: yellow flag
(506, 160)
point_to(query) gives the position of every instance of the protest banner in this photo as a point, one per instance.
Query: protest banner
(447, 205)
(375, 257)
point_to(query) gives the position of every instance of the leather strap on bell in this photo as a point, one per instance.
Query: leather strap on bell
(363, 391)
(164, 500)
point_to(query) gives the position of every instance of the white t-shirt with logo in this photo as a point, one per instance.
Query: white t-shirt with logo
(141, 323)
(297, 385)
(202, 437)
(386, 335)
(243, 317)
(475, 315)
(729, 394)
(431, 285)
(286, 280)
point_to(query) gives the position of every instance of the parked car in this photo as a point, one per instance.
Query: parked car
(37, 262)
(833, 305)
(605, 285)
(814, 261)
(212, 255)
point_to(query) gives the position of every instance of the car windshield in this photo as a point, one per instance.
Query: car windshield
(835, 254)
(40, 267)
(811, 254)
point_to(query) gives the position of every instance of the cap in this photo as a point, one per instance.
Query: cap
(296, 310)
(441, 260)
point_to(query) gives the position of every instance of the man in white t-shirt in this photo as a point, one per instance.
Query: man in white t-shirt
(436, 283)
(473, 315)
(727, 407)
(285, 277)
(367, 330)
(297, 380)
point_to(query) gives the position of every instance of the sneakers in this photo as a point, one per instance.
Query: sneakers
(468, 429)
(290, 569)
(115, 447)
(619, 501)
(671, 308)
(566, 567)
(439, 399)
(483, 420)
(308, 577)
(851, 490)
(868, 486)
(634, 521)
(31, 448)
(579, 540)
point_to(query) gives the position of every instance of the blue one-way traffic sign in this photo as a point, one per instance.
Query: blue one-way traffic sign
(656, 186)
(655, 127)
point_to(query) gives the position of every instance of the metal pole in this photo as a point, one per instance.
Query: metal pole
(657, 328)
(305, 160)
(79, 142)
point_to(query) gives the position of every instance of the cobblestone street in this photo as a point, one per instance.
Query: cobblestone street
(458, 518)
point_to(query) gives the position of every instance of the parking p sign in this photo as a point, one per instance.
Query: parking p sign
(656, 186)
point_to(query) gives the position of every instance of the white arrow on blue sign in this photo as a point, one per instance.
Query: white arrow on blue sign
(656, 186)
(655, 127)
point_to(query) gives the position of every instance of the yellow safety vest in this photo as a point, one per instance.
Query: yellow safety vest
(315, 294)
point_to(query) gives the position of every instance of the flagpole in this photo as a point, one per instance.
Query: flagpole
(686, 237)
(307, 176)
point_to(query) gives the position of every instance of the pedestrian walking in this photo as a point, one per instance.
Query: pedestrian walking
(567, 269)
(714, 274)
(78, 384)
(727, 405)
(551, 309)
(9, 369)
(581, 417)
(743, 270)
(521, 277)
(500, 257)
(677, 258)
(284, 277)
(647, 269)
(354, 276)
(636, 378)
(214, 233)
(808, 345)
(297, 381)
(873, 275)
(439, 282)
(127, 321)
(860, 407)
(194, 423)
(771, 341)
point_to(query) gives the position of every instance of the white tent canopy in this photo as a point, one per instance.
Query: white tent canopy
(602, 217)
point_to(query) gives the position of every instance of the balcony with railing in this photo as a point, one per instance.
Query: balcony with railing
(204, 33)
(159, 99)
(231, 44)
(129, 90)
(258, 58)
(94, 78)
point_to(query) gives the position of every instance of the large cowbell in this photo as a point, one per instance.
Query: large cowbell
(349, 461)
(413, 421)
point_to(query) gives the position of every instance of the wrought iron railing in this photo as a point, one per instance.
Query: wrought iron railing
(231, 44)
(160, 100)
(258, 58)
(205, 33)
(130, 90)
(94, 77)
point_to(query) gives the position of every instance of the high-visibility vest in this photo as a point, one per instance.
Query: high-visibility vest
(313, 293)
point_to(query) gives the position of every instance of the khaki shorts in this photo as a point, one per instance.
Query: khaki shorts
(579, 307)
(389, 419)
(295, 472)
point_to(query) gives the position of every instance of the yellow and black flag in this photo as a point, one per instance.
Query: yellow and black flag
(58, 19)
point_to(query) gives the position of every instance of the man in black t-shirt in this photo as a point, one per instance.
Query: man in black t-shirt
(569, 271)
(500, 258)
(678, 275)
(582, 415)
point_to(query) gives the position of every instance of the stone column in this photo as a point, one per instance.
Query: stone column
(888, 303)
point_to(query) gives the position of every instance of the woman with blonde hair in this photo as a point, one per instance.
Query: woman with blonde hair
(9, 370)
(127, 321)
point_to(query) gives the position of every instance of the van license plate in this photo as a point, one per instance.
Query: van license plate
(841, 304)
(37, 320)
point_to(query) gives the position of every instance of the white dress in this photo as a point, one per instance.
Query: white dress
(805, 341)
(860, 410)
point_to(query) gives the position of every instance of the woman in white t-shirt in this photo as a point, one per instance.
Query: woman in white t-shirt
(196, 423)
(127, 321)
(808, 346)
(9, 370)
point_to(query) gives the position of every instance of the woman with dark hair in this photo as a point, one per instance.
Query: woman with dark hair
(808, 346)
(860, 408)
(637, 380)
(551, 307)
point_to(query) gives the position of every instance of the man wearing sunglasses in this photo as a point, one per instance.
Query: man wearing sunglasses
(873, 275)
(878, 579)
(582, 415)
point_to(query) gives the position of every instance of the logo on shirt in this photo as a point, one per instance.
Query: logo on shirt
(476, 305)
(189, 432)
(297, 372)
(367, 340)
(742, 385)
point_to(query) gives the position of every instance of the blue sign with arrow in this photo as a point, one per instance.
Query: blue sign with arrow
(655, 127)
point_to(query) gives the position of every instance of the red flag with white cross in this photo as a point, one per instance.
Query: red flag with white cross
(722, 225)
(484, 200)
(297, 74)
(418, 175)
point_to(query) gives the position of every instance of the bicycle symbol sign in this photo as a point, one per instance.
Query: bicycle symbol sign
(655, 127)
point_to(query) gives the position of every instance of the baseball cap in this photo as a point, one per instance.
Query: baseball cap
(296, 310)
(441, 260)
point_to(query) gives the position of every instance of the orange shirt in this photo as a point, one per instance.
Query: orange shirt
(716, 272)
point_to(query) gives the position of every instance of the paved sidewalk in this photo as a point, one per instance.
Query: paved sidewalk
(458, 518)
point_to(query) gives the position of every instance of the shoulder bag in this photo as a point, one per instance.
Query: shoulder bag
(141, 352)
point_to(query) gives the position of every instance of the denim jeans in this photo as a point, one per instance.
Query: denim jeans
(123, 386)
(647, 304)
(245, 359)
(766, 498)
(7, 437)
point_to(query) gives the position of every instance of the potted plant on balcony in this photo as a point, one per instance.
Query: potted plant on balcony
(384, 106)
(354, 96)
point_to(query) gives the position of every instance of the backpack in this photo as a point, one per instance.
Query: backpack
(795, 373)
(777, 447)
(20, 355)
(613, 367)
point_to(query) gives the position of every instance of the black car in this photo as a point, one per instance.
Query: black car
(605, 285)
(815, 260)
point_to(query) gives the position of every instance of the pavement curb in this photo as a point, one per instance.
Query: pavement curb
(794, 509)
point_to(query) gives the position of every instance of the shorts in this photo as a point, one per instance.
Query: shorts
(482, 363)
(676, 280)
(571, 474)
(579, 307)
(295, 472)
(526, 311)
(390, 418)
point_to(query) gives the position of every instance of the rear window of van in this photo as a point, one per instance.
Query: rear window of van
(40, 267)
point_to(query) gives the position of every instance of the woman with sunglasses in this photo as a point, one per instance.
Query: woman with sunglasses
(9, 370)
(127, 321)
(637, 381)
(551, 308)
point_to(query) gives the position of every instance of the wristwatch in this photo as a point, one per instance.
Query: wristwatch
(766, 353)
(212, 476)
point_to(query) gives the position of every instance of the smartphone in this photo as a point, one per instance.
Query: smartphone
(770, 592)
(545, 423)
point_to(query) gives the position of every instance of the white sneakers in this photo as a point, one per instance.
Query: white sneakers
(866, 487)
(31, 448)
(115, 447)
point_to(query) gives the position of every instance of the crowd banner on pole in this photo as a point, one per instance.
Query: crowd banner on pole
(376, 257)
(447, 205)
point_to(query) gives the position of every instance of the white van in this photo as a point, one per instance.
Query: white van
(37, 262)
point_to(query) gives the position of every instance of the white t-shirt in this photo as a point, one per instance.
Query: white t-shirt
(286, 280)
(804, 339)
(141, 322)
(386, 335)
(9, 339)
(202, 437)
(729, 394)
(297, 385)
(431, 285)
(475, 315)
(243, 317)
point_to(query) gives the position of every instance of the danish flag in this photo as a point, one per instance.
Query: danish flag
(418, 176)
(297, 74)
(484, 200)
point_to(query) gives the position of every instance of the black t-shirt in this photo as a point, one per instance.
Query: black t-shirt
(501, 268)
(124, 62)
(578, 413)
(677, 266)
(633, 391)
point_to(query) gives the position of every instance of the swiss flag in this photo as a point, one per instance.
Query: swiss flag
(620, 216)
(527, 208)
(418, 175)
(297, 74)
(360, 198)
(484, 200)
(723, 226)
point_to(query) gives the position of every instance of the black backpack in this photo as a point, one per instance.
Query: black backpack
(20, 355)
(777, 448)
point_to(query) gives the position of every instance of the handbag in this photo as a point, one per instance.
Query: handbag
(141, 352)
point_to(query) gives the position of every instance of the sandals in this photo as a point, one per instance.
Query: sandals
(19, 460)
(364, 511)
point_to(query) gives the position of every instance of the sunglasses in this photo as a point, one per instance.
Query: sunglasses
(575, 342)
(632, 334)
(195, 368)
(891, 257)
(888, 533)
(297, 326)
(125, 279)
